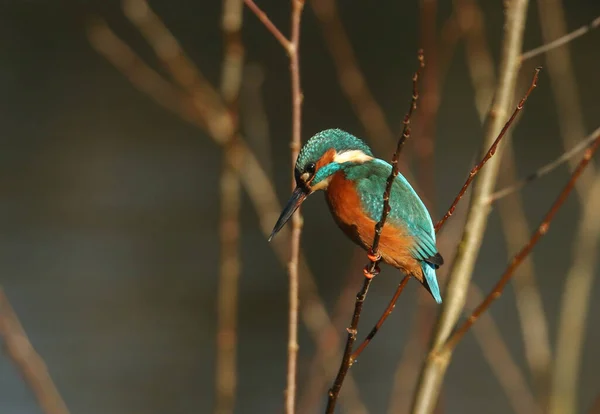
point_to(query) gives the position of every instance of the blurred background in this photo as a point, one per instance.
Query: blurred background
(109, 249)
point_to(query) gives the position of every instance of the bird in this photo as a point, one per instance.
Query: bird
(354, 180)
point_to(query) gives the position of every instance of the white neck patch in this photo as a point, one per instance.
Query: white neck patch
(356, 156)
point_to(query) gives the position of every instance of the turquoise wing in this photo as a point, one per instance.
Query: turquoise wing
(407, 211)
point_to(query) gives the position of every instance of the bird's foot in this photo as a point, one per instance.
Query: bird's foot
(374, 257)
(370, 274)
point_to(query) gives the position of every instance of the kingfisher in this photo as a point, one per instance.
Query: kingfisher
(354, 182)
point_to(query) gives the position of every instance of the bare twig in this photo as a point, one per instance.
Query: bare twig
(572, 129)
(530, 307)
(489, 153)
(294, 53)
(575, 306)
(292, 47)
(371, 269)
(28, 361)
(202, 110)
(540, 172)
(529, 303)
(388, 310)
(435, 365)
(542, 229)
(229, 272)
(475, 170)
(594, 24)
(262, 16)
(496, 352)
(328, 348)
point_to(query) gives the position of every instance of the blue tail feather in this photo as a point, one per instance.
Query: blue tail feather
(430, 281)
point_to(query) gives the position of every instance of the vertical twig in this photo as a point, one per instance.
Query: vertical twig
(229, 272)
(297, 6)
(28, 361)
(435, 366)
(292, 47)
(371, 269)
(203, 111)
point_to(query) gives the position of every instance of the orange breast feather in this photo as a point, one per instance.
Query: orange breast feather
(394, 244)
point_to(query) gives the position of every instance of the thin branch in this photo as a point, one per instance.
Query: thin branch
(498, 356)
(533, 321)
(564, 381)
(229, 272)
(473, 172)
(206, 99)
(292, 47)
(542, 229)
(388, 310)
(374, 257)
(28, 361)
(200, 111)
(594, 24)
(532, 316)
(575, 306)
(540, 172)
(328, 349)
(489, 153)
(434, 368)
(294, 54)
(262, 16)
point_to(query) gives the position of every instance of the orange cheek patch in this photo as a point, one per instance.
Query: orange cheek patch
(325, 159)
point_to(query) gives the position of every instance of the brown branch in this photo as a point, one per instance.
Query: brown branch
(294, 54)
(229, 272)
(292, 47)
(434, 368)
(463, 190)
(28, 361)
(542, 171)
(328, 349)
(374, 257)
(489, 153)
(594, 24)
(388, 310)
(571, 123)
(203, 110)
(262, 16)
(575, 307)
(542, 229)
(501, 362)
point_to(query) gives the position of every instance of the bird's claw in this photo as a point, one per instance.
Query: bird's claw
(370, 274)
(374, 257)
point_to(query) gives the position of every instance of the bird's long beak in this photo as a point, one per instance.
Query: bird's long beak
(298, 196)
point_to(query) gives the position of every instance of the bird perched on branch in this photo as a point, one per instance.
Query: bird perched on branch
(354, 181)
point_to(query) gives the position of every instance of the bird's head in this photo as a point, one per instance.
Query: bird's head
(320, 158)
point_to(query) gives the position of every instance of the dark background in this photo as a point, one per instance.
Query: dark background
(109, 224)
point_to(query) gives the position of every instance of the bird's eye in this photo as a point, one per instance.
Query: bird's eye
(310, 168)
